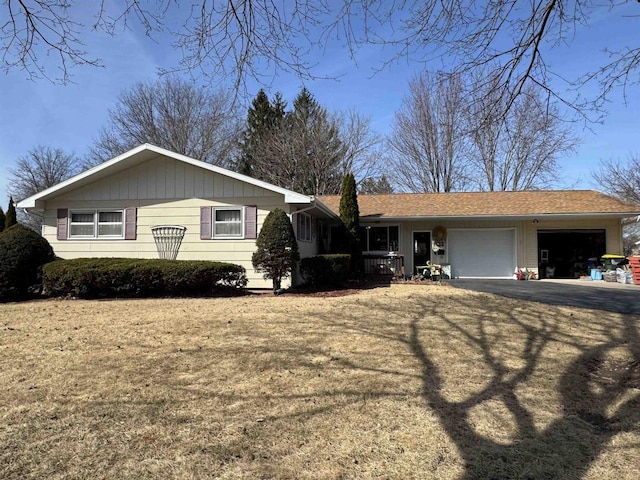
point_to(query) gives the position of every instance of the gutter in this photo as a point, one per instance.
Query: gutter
(531, 216)
(323, 208)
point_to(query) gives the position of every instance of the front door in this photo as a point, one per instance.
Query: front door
(421, 249)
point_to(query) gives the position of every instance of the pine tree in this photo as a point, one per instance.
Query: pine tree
(277, 249)
(349, 211)
(317, 147)
(373, 186)
(262, 117)
(10, 218)
(2, 219)
(350, 216)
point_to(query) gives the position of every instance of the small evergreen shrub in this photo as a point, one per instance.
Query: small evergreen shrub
(132, 277)
(277, 249)
(325, 270)
(11, 218)
(22, 254)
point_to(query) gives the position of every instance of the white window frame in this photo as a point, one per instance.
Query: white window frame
(96, 224)
(304, 227)
(214, 222)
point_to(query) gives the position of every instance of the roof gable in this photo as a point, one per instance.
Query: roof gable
(142, 154)
(487, 204)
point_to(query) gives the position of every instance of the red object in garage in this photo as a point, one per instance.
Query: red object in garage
(635, 269)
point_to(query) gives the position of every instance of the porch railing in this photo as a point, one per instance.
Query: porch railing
(389, 264)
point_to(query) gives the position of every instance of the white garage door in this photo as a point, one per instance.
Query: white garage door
(482, 253)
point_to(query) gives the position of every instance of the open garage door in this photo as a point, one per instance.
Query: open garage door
(482, 253)
(566, 253)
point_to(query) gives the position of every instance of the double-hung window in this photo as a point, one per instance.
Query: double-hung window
(304, 227)
(96, 224)
(228, 222)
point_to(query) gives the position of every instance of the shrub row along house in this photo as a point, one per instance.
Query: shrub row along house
(151, 202)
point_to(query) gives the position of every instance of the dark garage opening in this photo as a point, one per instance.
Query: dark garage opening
(566, 253)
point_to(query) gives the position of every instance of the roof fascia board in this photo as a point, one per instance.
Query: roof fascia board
(289, 195)
(30, 202)
(540, 216)
(323, 208)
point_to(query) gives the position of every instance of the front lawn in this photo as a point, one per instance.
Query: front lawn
(404, 382)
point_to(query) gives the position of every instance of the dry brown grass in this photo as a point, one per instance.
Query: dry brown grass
(404, 382)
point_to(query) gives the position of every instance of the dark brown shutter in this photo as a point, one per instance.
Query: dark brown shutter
(63, 213)
(130, 223)
(205, 223)
(251, 222)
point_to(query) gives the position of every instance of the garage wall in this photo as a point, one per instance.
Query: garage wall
(526, 234)
(407, 229)
(530, 240)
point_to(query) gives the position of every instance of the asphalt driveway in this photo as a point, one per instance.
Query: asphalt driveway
(612, 298)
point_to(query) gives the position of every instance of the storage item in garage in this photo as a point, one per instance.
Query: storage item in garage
(596, 274)
(610, 276)
(610, 261)
(621, 275)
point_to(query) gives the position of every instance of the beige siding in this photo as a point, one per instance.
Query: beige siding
(164, 178)
(526, 234)
(407, 229)
(178, 212)
(305, 248)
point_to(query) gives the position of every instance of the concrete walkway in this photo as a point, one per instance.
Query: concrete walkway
(598, 295)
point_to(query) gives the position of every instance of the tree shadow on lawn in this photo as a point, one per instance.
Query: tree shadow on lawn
(592, 386)
(598, 399)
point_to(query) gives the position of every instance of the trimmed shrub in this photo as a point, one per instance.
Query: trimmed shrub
(22, 254)
(277, 249)
(325, 270)
(132, 277)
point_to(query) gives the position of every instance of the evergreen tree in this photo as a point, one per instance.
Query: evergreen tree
(373, 186)
(2, 219)
(301, 149)
(349, 211)
(350, 216)
(262, 118)
(10, 218)
(319, 150)
(277, 249)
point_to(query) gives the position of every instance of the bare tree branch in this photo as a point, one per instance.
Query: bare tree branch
(257, 39)
(42, 167)
(428, 139)
(173, 114)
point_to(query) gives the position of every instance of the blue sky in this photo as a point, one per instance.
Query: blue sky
(69, 116)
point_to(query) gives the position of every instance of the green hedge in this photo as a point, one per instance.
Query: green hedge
(325, 270)
(130, 277)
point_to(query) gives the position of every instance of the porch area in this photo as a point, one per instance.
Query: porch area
(384, 264)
